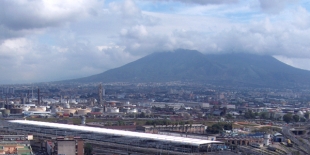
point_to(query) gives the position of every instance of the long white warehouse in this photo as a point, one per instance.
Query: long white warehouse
(103, 134)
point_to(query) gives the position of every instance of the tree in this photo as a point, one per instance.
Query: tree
(218, 127)
(264, 115)
(296, 118)
(182, 123)
(227, 126)
(288, 118)
(88, 149)
(224, 110)
(229, 116)
(142, 115)
(249, 114)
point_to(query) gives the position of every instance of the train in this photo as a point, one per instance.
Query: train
(289, 143)
(256, 145)
(272, 148)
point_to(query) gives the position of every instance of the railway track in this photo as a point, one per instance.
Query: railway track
(303, 147)
(282, 152)
(259, 151)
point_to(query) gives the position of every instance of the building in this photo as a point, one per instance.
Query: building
(15, 144)
(107, 137)
(204, 105)
(278, 137)
(65, 145)
(187, 128)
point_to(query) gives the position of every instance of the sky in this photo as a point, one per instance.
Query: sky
(44, 40)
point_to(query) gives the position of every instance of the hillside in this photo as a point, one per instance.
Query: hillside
(188, 65)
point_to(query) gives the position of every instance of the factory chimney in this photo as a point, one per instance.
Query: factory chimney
(100, 95)
(27, 97)
(32, 93)
(38, 96)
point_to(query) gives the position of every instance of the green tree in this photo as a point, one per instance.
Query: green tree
(249, 114)
(296, 118)
(182, 123)
(288, 118)
(227, 126)
(142, 115)
(263, 115)
(88, 149)
(217, 128)
(229, 116)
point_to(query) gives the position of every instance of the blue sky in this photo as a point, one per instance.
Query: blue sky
(56, 40)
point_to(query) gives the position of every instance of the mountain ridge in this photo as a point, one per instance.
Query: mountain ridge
(193, 66)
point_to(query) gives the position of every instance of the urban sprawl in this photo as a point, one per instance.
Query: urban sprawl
(153, 118)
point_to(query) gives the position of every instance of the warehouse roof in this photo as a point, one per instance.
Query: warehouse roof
(148, 136)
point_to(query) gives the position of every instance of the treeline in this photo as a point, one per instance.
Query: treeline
(218, 127)
(249, 114)
(288, 118)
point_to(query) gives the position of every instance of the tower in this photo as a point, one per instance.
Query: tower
(267, 139)
(27, 97)
(38, 96)
(100, 94)
(32, 93)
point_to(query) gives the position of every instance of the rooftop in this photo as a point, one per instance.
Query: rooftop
(148, 136)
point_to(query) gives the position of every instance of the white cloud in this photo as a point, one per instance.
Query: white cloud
(275, 6)
(302, 63)
(26, 17)
(55, 40)
(202, 2)
(127, 8)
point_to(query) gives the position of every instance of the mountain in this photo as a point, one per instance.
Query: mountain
(193, 66)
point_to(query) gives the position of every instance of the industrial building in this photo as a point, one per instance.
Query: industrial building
(192, 128)
(129, 138)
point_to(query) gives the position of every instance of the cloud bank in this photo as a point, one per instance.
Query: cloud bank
(55, 40)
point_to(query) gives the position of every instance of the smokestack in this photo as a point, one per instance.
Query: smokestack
(28, 96)
(38, 96)
(100, 94)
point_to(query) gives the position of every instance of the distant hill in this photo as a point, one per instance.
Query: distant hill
(193, 66)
